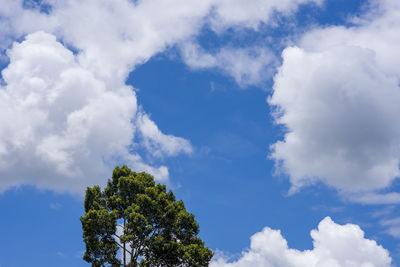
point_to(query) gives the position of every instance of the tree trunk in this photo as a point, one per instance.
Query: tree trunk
(123, 233)
(133, 255)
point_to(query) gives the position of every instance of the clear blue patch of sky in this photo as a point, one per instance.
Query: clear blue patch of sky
(40, 228)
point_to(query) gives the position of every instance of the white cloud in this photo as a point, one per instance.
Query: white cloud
(393, 226)
(337, 94)
(55, 206)
(388, 219)
(239, 13)
(248, 66)
(374, 198)
(157, 143)
(62, 127)
(334, 245)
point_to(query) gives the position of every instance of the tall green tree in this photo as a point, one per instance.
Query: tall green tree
(143, 221)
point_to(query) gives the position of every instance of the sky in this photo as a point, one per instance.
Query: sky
(275, 121)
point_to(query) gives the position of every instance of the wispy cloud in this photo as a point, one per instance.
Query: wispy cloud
(55, 206)
(393, 226)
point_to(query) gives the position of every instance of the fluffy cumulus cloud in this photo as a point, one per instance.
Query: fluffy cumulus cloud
(334, 245)
(338, 95)
(62, 127)
(67, 115)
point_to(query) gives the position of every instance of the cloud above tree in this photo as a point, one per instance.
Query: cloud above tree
(63, 127)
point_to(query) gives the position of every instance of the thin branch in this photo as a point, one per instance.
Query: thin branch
(119, 245)
(122, 246)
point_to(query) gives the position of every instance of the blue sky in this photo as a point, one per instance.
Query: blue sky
(272, 120)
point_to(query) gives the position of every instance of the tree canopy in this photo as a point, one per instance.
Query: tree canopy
(136, 222)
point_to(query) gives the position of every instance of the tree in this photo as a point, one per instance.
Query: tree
(141, 219)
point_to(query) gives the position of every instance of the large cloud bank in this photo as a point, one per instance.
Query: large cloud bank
(334, 246)
(337, 94)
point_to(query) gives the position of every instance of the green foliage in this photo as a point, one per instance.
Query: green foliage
(154, 228)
